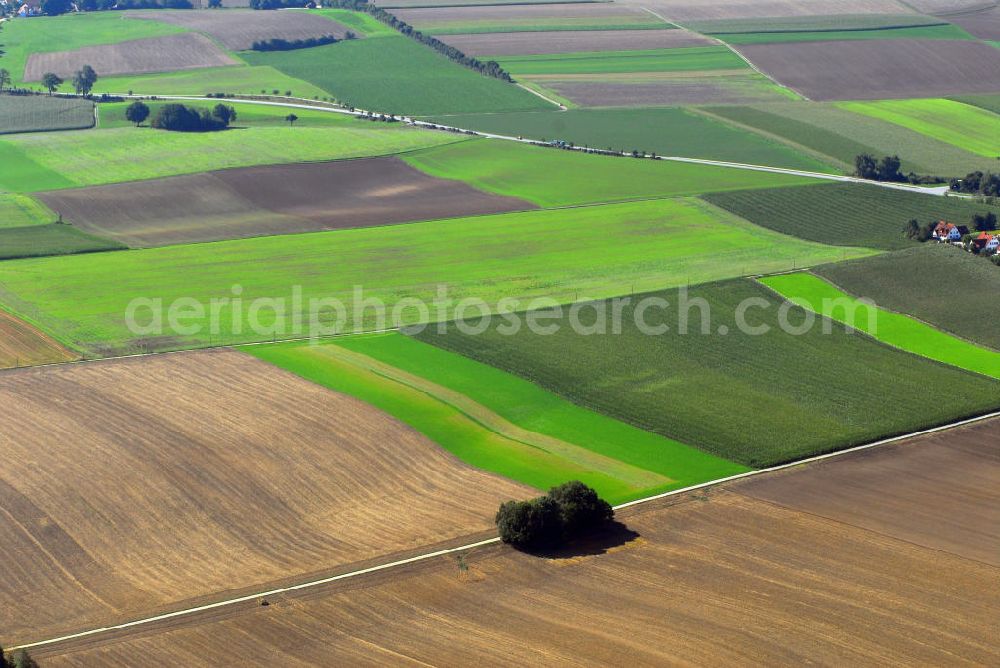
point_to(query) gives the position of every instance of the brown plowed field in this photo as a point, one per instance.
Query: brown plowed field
(129, 485)
(239, 29)
(571, 41)
(721, 577)
(280, 199)
(23, 345)
(878, 69)
(706, 10)
(183, 51)
(589, 10)
(984, 25)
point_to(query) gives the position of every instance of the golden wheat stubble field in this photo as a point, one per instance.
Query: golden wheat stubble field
(718, 577)
(131, 485)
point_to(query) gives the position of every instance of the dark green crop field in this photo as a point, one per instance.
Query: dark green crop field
(754, 399)
(846, 214)
(52, 239)
(942, 285)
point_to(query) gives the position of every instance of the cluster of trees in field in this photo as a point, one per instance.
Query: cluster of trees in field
(978, 183)
(279, 44)
(57, 7)
(866, 166)
(547, 522)
(180, 118)
(19, 659)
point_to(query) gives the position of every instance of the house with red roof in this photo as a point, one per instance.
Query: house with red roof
(946, 232)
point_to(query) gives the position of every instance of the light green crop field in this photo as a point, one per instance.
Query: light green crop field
(411, 79)
(962, 125)
(112, 115)
(941, 31)
(561, 254)
(359, 22)
(22, 211)
(65, 159)
(62, 33)
(249, 80)
(754, 396)
(497, 421)
(51, 239)
(895, 329)
(667, 131)
(690, 59)
(552, 177)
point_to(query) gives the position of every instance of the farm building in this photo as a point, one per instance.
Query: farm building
(986, 243)
(949, 232)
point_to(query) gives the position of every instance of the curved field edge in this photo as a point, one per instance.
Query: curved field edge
(895, 329)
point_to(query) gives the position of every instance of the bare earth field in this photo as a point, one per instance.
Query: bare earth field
(183, 51)
(984, 25)
(497, 13)
(640, 91)
(130, 485)
(877, 69)
(572, 41)
(705, 10)
(238, 30)
(943, 7)
(723, 577)
(23, 345)
(281, 199)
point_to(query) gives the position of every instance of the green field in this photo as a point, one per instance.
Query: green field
(411, 78)
(497, 421)
(561, 254)
(52, 160)
(846, 214)
(22, 211)
(987, 102)
(233, 80)
(755, 399)
(941, 285)
(690, 59)
(63, 33)
(38, 113)
(938, 31)
(962, 125)
(664, 131)
(552, 177)
(247, 115)
(842, 135)
(51, 239)
(895, 329)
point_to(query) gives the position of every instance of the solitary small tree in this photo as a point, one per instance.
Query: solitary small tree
(4, 78)
(137, 112)
(291, 118)
(84, 80)
(51, 81)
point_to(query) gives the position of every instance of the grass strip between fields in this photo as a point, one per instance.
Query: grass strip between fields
(895, 329)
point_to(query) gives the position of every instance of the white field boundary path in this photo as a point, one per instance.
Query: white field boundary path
(489, 541)
(935, 190)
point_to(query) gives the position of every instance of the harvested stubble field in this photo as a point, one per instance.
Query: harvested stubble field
(846, 213)
(23, 345)
(895, 329)
(842, 135)
(670, 89)
(562, 254)
(666, 131)
(55, 160)
(281, 199)
(706, 10)
(568, 41)
(37, 113)
(156, 481)
(238, 29)
(496, 421)
(965, 126)
(784, 395)
(856, 560)
(513, 18)
(941, 285)
(184, 51)
(878, 69)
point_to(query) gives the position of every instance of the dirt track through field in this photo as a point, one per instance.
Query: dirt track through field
(571, 41)
(281, 199)
(719, 576)
(878, 69)
(133, 484)
(239, 29)
(23, 345)
(183, 51)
